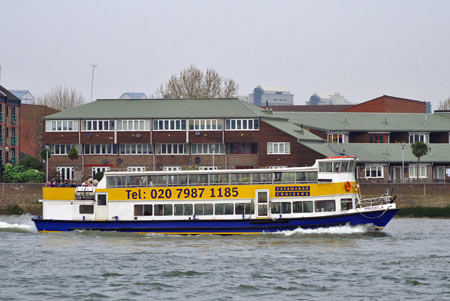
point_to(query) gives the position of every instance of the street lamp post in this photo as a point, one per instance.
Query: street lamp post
(47, 147)
(92, 82)
(403, 163)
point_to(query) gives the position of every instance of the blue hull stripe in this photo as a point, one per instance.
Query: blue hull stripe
(377, 218)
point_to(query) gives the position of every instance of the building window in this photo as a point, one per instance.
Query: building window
(336, 138)
(374, 171)
(100, 149)
(242, 148)
(172, 168)
(378, 138)
(136, 149)
(169, 125)
(61, 125)
(61, 149)
(133, 125)
(97, 125)
(241, 124)
(278, 148)
(171, 149)
(413, 171)
(439, 173)
(416, 137)
(136, 168)
(207, 168)
(63, 173)
(205, 124)
(98, 169)
(207, 148)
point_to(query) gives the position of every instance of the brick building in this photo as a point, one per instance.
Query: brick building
(32, 125)
(157, 134)
(382, 142)
(390, 104)
(9, 127)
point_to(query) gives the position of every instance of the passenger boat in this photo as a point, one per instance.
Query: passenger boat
(217, 201)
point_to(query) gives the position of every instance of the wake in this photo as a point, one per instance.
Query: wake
(20, 223)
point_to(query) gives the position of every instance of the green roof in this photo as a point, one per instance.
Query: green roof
(369, 121)
(163, 108)
(391, 152)
(292, 129)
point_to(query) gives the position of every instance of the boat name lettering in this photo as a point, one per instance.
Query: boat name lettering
(373, 208)
(285, 191)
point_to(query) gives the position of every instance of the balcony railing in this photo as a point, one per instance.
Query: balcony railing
(13, 119)
(14, 141)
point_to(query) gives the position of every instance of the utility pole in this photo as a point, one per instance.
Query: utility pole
(92, 82)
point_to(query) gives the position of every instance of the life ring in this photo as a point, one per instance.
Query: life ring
(347, 186)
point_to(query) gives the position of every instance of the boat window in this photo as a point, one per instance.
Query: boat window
(163, 209)
(336, 166)
(224, 209)
(116, 181)
(277, 176)
(101, 200)
(346, 204)
(214, 179)
(239, 208)
(203, 209)
(142, 210)
(224, 178)
(160, 180)
(300, 176)
(281, 207)
(198, 179)
(177, 180)
(351, 166)
(86, 209)
(325, 206)
(325, 167)
(240, 178)
(183, 209)
(304, 206)
(137, 181)
(262, 178)
(244, 208)
(344, 166)
(287, 177)
(311, 176)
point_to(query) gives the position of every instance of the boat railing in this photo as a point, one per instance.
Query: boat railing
(381, 200)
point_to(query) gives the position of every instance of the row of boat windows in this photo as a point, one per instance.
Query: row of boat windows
(239, 208)
(232, 208)
(212, 179)
(337, 166)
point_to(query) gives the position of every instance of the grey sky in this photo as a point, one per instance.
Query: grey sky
(361, 49)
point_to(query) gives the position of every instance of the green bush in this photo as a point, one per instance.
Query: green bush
(30, 162)
(19, 174)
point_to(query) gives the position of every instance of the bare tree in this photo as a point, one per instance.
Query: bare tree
(445, 105)
(195, 83)
(61, 98)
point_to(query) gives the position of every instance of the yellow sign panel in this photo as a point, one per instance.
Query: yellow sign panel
(222, 192)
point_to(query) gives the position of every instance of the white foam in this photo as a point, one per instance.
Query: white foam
(347, 229)
(20, 223)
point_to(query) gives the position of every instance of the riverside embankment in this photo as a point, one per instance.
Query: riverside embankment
(24, 198)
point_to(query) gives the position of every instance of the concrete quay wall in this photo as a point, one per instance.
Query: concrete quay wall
(27, 196)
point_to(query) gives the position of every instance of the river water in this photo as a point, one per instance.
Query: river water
(410, 259)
